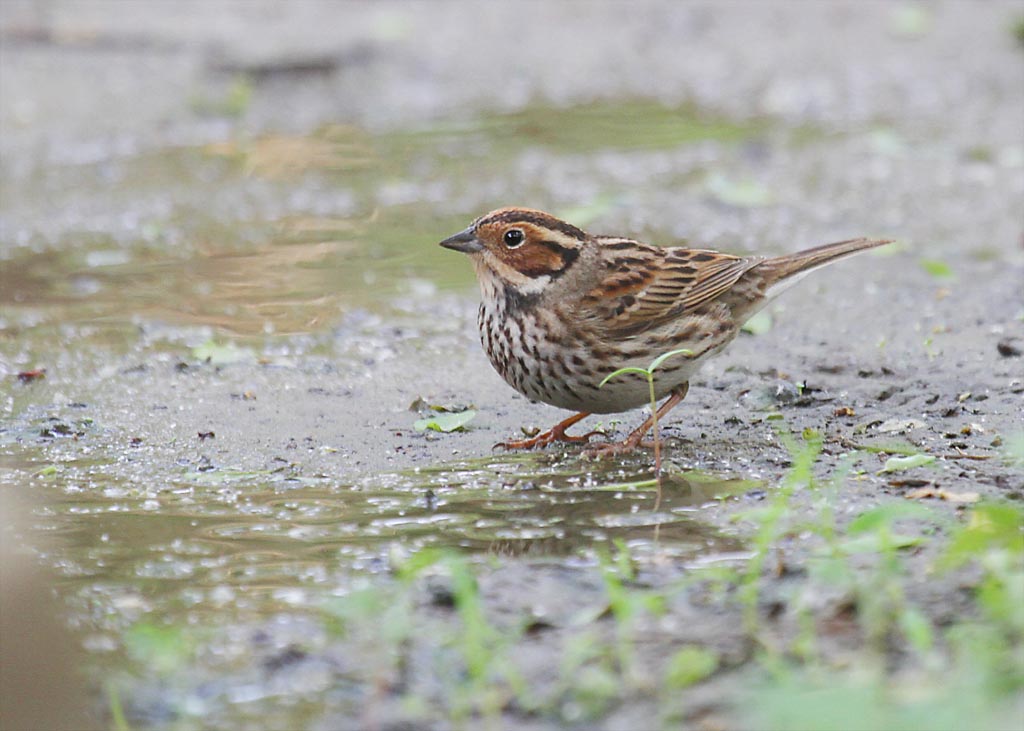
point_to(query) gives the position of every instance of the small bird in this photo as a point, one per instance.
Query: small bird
(562, 309)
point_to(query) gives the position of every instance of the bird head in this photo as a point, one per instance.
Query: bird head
(519, 248)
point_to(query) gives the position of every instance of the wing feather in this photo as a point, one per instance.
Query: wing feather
(647, 286)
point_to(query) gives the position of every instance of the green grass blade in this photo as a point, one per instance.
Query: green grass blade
(622, 371)
(665, 356)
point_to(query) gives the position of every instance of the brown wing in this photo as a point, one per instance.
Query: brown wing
(647, 286)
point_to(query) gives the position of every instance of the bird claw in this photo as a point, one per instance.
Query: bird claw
(611, 449)
(545, 438)
(615, 449)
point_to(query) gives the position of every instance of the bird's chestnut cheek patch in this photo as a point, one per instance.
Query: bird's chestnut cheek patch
(540, 259)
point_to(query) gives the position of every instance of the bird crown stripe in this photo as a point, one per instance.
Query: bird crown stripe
(541, 220)
(559, 248)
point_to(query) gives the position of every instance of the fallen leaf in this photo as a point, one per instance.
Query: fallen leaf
(937, 492)
(910, 482)
(445, 422)
(892, 426)
(419, 404)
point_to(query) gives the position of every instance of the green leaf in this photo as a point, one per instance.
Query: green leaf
(874, 543)
(899, 464)
(622, 371)
(830, 570)
(158, 648)
(420, 561)
(812, 436)
(759, 324)
(938, 269)
(118, 721)
(690, 665)
(594, 687)
(445, 422)
(873, 520)
(665, 356)
(356, 608)
(627, 486)
(990, 527)
(917, 628)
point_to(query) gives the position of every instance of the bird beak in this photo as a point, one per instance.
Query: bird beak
(464, 241)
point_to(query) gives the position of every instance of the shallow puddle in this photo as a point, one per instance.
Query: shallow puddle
(202, 541)
(216, 576)
(277, 234)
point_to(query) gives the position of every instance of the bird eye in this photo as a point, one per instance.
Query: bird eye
(513, 237)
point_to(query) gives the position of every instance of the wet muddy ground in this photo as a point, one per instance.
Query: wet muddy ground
(222, 311)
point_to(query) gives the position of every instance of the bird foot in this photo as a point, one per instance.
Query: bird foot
(615, 449)
(545, 438)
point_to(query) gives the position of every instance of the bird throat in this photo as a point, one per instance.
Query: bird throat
(511, 291)
(517, 301)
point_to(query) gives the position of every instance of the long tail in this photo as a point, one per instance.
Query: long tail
(783, 271)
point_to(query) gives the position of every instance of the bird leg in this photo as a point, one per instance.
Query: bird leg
(554, 434)
(635, 438)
